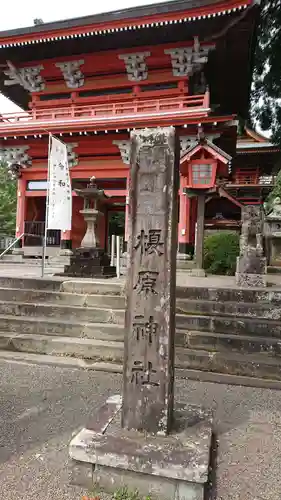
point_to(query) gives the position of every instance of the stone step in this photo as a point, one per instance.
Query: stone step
(192, 340)
(58, 319)
(221, 342)
(114, 367)
(92, 287)
(63, 361)
(56, 297)
(239, 295)
(115, 332)
(241, 364)
(61, 311)
(208, 307)
(66, 346)
(41, 296)
(260, 366)
(63, 284)
(186, 306)
(31, 283)
(237, 326)
(113, 287)
(13, 260)
(57, 327)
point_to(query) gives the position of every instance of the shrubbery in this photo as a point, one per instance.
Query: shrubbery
(8, 201)
(220, 252)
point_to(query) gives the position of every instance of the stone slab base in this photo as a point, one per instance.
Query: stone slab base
(107, 457)
(65, 252)
(91, 263)
(18, 251)
(13, 257)
(110, 479)
(276, 262)
(198, 273)
(274, 269)
(250, 280)
(89, 272)
(183, 256)
(184, 262)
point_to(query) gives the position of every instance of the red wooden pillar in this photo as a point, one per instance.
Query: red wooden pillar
(184, 219)
(193, 219)
(21, 208)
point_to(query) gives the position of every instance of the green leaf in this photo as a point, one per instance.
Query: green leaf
(8, 201)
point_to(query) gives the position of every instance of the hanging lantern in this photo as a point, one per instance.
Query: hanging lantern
(202, 173)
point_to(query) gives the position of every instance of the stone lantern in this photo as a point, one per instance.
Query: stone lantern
(93, 197)
(201, 164)
(90, 260)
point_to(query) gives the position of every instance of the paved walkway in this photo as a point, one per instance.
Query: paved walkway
(40, 408)
(183, 278)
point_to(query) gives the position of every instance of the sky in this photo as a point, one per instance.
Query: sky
(54, 10)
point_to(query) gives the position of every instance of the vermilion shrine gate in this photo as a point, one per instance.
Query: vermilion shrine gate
(91, 80)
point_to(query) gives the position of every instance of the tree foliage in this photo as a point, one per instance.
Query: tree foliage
(8, 201)
(117, 223)
(275, 193)
(220, 251)
(266, 93)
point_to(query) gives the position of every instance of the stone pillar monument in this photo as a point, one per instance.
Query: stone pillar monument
(142, 441)
(150, 314)
(251, 264)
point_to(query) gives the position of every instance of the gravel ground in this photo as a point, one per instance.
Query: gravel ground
(42, 407)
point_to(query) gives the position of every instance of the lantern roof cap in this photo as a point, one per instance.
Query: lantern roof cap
(215, 151)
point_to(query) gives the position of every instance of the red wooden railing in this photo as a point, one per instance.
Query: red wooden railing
(117, 109)
(253, 176)
(247, 176)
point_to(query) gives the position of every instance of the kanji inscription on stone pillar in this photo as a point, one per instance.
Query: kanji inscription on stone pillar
(150, 313)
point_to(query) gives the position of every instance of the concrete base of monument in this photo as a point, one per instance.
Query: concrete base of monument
(248, 280)
(251, 271)
(106, 457)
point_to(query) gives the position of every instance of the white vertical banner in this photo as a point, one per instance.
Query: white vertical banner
(59, 204)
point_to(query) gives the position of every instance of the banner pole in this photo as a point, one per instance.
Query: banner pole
(112, 249)
(118, 256)
(47, 209)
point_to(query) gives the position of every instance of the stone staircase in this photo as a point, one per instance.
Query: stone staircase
(55, 262)
(219, 331)
(37, 317)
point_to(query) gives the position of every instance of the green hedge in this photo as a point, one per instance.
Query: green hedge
(220, 252)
